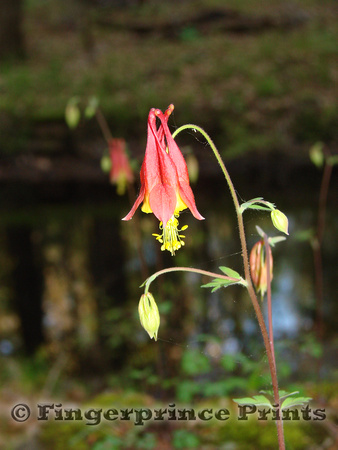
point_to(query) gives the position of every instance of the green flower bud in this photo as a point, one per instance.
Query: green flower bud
(317, 155)
(259, 267)
(149, 315)
(91, 108)
(72, 113)
(280, 221)
(106, 163)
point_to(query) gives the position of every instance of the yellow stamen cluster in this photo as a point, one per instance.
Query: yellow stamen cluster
(170, 238)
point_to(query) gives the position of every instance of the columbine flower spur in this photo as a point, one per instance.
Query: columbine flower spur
(165, 189)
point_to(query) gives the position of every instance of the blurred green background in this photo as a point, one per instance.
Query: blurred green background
(261, 78)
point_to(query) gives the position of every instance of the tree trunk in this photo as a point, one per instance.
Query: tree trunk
(11, 34)
(27, 284)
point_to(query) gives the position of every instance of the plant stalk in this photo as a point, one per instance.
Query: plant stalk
(317, 249)
(250, 288)
(185, 269)
(268, 294)
(101, 120)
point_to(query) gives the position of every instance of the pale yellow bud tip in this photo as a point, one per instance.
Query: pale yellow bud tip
(280, 221)
(149, 315)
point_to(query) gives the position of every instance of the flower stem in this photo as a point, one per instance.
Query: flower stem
(268, 294)
(101, 120)
(317, 248)
(250, 288)
(185, 269)
(103, 124)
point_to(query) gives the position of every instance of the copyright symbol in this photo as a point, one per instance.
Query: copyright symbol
(20, 412)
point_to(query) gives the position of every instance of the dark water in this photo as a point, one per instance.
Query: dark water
(77, 249)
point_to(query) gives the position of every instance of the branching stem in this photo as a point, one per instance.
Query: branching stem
(250, 288)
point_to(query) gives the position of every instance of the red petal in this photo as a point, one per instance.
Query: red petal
(150, 165)
(188, 197)
(182, 171)
(136, 205)
(174, 152)
(162, 200)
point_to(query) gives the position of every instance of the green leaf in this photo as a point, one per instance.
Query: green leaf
(229, 272)
(257, 400)
(282, 395)
(249, 202)
(217, 283)
(253, 204)
(243, 401)
(295, 401)
(286, 399)
(263, 208)
(274, 240)
(261, 400)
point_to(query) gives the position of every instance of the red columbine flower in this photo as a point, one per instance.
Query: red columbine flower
(120, 172)
(258, 266)
(165, 188)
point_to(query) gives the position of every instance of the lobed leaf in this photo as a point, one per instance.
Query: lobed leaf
(217, 283)
(230, 272)
(295, 401)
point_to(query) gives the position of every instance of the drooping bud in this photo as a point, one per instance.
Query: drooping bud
(91, 107)
(149, 315)
(258, 266)
(72, 113)
(280, 221)
(106, 163)
(120, 172)
(317, 155)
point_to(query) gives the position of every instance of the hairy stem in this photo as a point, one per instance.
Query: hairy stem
(185, 269)
(317, 249)
(251, 291)
(268, 294)
(101, 120)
